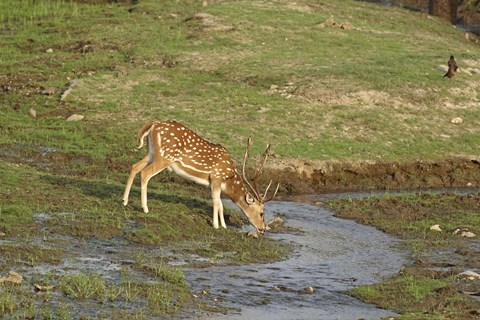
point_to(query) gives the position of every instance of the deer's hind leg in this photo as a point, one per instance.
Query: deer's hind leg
(147, 173)
(136, 168)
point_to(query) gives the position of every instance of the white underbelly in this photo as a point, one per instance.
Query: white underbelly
(177, 168)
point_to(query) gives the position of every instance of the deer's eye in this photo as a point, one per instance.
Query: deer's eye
(261, 214)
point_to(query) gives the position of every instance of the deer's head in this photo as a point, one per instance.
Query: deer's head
(254, 199)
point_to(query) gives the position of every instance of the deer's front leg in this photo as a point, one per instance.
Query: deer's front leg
(217, 205)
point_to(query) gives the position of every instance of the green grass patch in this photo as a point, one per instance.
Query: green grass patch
(418, 296)
(410, 216)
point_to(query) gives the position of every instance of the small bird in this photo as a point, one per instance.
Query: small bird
(452, 63)
(450, 73)
(452, 67)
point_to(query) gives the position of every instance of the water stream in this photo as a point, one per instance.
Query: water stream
(331, 256)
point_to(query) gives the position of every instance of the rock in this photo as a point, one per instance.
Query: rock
(49, 50)
(49, 91)
(72, 84)
(273, 87)
(252, 234)
(456, 120)
(13, 277)
(464, 233)
(32, 113)
(470, 275)
(327, 24)
(75, 117)
(346, 26)
(436, 227)
(442, 68)
(275, 223)
(2, 234)
(309, 290)
(474, 70)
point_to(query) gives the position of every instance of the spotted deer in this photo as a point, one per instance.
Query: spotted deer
(173, 146)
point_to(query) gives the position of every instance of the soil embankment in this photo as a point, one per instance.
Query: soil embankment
(301, 176)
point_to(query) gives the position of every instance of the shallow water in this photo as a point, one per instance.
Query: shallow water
(331, 255)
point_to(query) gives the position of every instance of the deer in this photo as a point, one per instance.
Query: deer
(172, 146)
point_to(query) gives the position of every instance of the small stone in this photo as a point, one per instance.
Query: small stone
(275, 223)
(470, 275)
(273, 87)
(2, 234)
(252, 234)
(32, 113)
(309, 289)
(75, 117)
(468, 234)
(13, 277)
(43, 288)
(456, 120)
(49, 50)
(436, 227)
(464, 233)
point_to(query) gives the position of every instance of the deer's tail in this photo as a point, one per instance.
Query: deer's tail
(142, 133)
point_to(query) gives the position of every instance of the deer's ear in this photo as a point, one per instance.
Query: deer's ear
(249, 199)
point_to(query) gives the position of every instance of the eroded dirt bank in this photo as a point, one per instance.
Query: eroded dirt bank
(296, 176)
(300, 176)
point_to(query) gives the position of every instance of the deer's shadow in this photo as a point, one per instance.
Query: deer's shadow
(109, 191)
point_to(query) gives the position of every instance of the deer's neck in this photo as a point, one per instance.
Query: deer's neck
(235, 189)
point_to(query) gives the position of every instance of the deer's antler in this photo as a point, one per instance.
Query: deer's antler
(254, 189)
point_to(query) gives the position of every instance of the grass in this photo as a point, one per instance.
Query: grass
(261, 69)
(410, 216)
